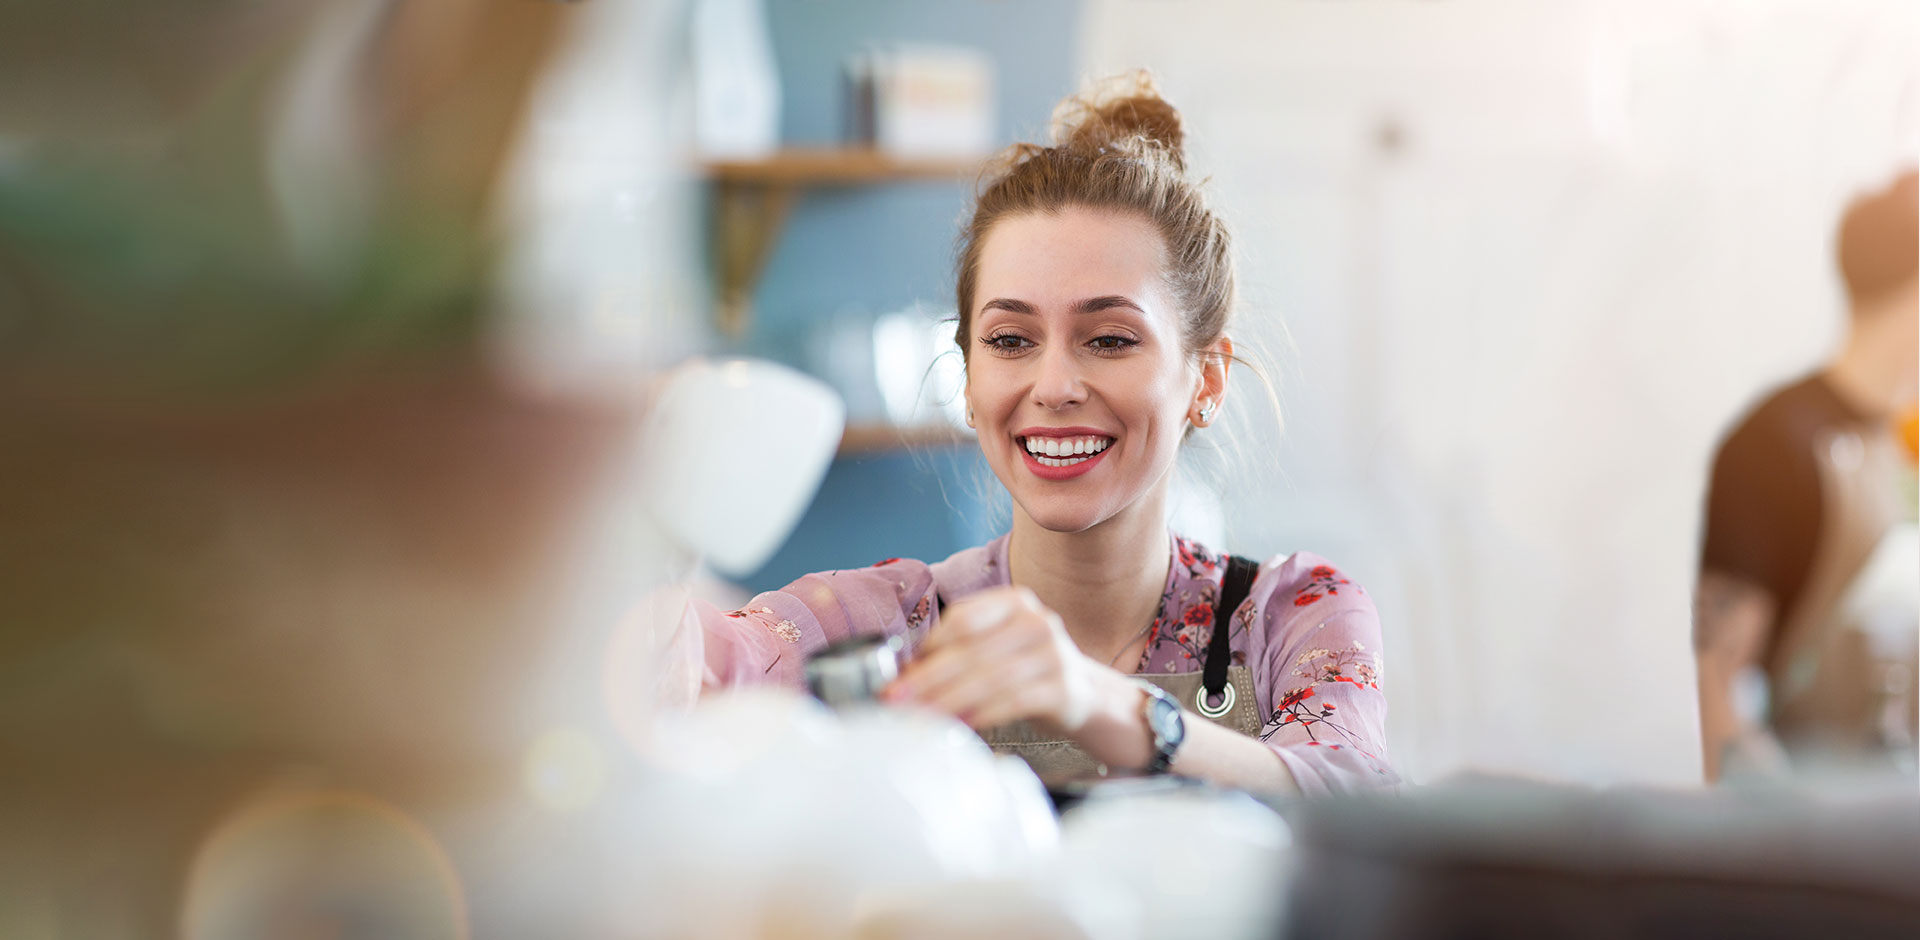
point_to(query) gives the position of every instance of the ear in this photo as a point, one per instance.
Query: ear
(1215, 360)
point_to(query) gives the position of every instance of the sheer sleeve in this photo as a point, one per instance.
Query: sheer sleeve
(768, 640)
(1316, 645)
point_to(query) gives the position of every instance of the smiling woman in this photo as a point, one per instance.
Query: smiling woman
(1095, 286)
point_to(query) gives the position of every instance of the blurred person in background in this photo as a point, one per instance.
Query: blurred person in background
(1804, 492)
(1095, 290)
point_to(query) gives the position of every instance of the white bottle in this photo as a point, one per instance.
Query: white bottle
(736, 84)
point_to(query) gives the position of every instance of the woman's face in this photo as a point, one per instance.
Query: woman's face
(1078, 381)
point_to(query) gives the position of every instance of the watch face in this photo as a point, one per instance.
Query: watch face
(1164, 716)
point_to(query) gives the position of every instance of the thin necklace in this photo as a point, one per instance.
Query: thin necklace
(1114, 663)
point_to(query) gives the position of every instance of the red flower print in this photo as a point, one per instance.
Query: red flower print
(884, 561)
(1193, 561)
(1319, 666)
(1199, 614)
(1322, 581)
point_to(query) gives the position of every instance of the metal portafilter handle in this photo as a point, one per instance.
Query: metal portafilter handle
(854, 670)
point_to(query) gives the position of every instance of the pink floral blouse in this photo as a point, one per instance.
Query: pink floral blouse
(1310, 634)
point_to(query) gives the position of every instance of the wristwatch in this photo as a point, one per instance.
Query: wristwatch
(1167, 725)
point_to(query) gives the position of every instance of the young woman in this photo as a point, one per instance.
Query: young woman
(1095, 287)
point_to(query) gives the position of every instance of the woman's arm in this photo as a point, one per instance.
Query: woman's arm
(1116, 734)
(1315, 652)
(767, 641)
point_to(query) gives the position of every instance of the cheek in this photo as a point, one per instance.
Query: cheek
(1162, 398)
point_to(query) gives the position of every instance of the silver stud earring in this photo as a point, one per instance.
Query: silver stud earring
(1206, 414)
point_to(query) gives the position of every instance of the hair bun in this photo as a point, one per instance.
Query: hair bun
(1118, 112)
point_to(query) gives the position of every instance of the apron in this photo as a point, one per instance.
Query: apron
(1221, 693)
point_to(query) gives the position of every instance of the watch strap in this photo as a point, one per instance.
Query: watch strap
(1163, 749)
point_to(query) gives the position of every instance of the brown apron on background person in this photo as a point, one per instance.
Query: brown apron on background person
(1830, 694)
(1221, 693)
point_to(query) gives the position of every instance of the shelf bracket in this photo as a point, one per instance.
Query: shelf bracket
(749, 218)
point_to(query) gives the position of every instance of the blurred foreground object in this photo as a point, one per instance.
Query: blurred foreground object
(772, 816)
(1488, 858)
(237, 200)
(286, 557)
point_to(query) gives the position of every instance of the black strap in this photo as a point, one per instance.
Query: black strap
(1233, 590)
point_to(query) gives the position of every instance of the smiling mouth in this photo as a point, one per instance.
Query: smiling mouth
(1065, 451)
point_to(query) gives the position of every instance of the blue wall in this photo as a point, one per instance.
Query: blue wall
(875, 249)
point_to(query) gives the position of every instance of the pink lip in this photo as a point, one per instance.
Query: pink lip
(1045, 472)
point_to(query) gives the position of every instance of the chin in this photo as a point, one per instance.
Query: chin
(1063, 518)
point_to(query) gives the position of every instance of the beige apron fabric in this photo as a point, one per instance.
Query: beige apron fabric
(1828, 691)
(1055, 759)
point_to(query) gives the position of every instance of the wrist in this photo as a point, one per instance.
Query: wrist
(1116, 731)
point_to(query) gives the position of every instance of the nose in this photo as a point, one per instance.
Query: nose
(1058, 383)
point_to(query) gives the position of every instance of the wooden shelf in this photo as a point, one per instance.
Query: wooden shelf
(753, 197)
(861, 440)
(820, 166)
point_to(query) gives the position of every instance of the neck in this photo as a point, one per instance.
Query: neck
(1105, 582)
(1875, 369)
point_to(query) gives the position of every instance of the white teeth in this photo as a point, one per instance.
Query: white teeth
(1062, 451)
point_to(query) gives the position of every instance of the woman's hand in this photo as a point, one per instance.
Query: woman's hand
(1001, 656)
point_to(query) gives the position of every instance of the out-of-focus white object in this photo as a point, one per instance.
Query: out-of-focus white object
(1883, 602)
(769, 811)
(736, 85)
(598, 287)
(1884, 598)
(924, 100)
(733, 450)
(919, 371)
(1004, 910)
(1184, 864)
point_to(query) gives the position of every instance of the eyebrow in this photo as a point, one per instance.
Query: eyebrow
(1090, 305)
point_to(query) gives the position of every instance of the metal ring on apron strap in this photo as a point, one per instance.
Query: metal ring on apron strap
(1200, 702)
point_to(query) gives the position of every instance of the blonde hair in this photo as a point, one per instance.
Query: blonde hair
(1119, 147)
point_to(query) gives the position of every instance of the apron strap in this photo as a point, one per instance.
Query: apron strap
(1233, 591)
